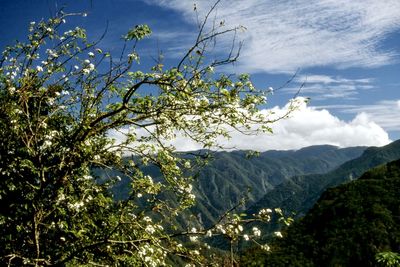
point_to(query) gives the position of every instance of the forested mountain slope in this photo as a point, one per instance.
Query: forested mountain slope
(300, 193)
(348, 226)
(222, 183)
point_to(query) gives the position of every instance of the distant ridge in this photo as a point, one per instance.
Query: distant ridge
(301, 192)
(220, 185)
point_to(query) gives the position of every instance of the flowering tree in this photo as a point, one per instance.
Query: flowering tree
(61, 97)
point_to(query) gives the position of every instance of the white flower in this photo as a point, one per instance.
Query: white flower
(87, 177)
(51, 52)
(246, 237)
(91, 54)
(147, 219)
(39, 68)
(193, 238)
(148, 177)
(189, 188)
(133, 56)
(150, 229)
(265, 247)
(76, 67)
(278, 234)
(87, 61)
(256, 231)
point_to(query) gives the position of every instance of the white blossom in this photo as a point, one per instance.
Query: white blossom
(256, 231)
(278, 234)
(265, 247)
(150, 229)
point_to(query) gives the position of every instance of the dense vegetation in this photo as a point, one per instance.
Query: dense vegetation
(298, 194)
(63, 101)
(349, 225)
(222, 183)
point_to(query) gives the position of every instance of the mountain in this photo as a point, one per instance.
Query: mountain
(221, 184)
(298, 194)
(224, 181)
(348, 225)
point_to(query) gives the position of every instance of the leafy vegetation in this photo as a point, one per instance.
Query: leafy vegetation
(355, 224)
(298, 194)
(224, 181)
(62, 98)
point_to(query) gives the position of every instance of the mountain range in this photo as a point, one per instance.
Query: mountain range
(353, 224)
(299, 193)
(292, 180)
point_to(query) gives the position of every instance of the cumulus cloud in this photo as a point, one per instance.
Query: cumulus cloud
(310, 126)
(385, 112)
(307, 126)
(282, 36)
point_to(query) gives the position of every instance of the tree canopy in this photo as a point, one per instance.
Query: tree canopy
(354, 224)
(61, 99)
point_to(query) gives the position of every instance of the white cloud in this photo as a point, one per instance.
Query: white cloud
(285, 35)
(321, 87)
(307, 126)
(386, 113)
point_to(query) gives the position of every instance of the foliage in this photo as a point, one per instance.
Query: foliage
(62, 98)
(299, 193)
(354, 224)
(388, 259)
(221, 183)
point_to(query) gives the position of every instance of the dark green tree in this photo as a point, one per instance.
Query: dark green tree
(62, 98)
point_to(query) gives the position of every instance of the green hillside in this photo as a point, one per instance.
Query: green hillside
(348, 226)
(298, 194)
(221, 184)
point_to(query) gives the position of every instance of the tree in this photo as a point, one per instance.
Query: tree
(61, 97)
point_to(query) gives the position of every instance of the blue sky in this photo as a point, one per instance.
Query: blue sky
(346, 52)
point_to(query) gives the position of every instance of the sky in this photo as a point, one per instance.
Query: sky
(344, 55)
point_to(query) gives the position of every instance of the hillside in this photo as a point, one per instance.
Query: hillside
(222, 183)
(348, 226)
(298, 194)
